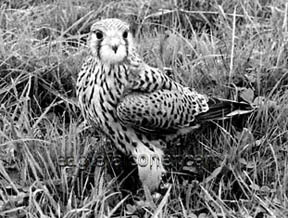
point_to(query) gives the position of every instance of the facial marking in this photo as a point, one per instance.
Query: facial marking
(109, 40)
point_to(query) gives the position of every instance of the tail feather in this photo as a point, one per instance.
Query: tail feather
(220, 109)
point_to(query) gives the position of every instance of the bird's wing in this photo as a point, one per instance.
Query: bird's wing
(148, 79)
(155, 103)
(162, 111)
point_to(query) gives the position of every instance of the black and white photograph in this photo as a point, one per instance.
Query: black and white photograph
(143, 108)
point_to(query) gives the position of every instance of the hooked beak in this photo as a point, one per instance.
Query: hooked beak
(114, 48)
(114, 43)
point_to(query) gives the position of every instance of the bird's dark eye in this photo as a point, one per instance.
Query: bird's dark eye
(99, 35)
(125, 34)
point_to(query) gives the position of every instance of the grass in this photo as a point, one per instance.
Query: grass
(48, 154)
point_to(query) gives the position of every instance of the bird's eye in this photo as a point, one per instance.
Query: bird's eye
(125, 34)
(99, 35)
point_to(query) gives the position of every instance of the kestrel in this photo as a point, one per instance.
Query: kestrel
(138, 106)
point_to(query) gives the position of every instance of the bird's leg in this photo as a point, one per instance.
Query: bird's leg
(150, 166)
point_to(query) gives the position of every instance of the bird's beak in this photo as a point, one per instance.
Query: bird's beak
(114, 48)
(114, 43)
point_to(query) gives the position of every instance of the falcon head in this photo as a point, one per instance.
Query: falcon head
(110, 40)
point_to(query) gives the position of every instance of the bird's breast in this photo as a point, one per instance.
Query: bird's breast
(100, 92)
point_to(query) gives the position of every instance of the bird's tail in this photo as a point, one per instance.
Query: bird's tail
(220, 109)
